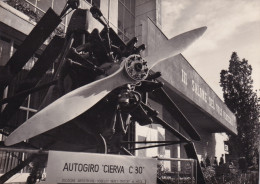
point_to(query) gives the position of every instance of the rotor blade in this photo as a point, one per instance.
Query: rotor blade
(67, 107)
(32, 42)
(174, 46)
(192, 153)
(33, 77)
(181, 119)
(171, 129)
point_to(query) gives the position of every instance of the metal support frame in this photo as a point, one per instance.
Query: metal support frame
(149, 142)
(192, 153)
(146, 147)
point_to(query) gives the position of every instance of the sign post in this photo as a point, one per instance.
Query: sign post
(90, 168)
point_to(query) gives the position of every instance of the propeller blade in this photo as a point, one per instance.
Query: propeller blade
(80, 100)
(174, 46)
(67, 107)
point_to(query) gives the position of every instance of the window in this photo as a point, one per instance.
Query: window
(58, 5)
(5, 49)
(158, 13)
(44, 4)
(126, 19)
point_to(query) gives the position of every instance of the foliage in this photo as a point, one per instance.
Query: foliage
(237, 84)
(229, 174)
(209, 174)
(182, 177)
(224, 174)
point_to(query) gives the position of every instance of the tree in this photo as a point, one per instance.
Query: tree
(237, 86)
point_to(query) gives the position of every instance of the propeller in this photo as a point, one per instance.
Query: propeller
(72, 104)
(174, 46)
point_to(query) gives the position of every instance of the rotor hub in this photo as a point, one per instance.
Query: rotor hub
(136, 67)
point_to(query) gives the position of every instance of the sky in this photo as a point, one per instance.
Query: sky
(232, 25)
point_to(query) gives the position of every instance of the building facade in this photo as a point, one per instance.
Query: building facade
(129, 18)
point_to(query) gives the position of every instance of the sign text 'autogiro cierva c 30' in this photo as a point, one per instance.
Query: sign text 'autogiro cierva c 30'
(89, 168)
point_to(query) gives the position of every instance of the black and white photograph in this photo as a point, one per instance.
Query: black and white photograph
(129, 91)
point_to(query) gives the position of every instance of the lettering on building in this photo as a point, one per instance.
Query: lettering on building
(211, 103)
(201, 93)
(184, 77)
(219, 110)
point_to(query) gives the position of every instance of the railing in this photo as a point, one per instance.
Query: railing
(26, 7)
(181, 171)
(33, 12)
(10, 159)
(186, 172)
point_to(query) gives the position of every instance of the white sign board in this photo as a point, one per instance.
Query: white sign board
(89, 168)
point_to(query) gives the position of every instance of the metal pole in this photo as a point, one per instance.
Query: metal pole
(26, 150)
(174, 159)
(146, 147)
(26, 92)
(192, 171)
(178, 180)
(126, 151)
(149, 142)
(196, 174)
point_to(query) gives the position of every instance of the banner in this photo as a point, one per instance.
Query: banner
(90, 168)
